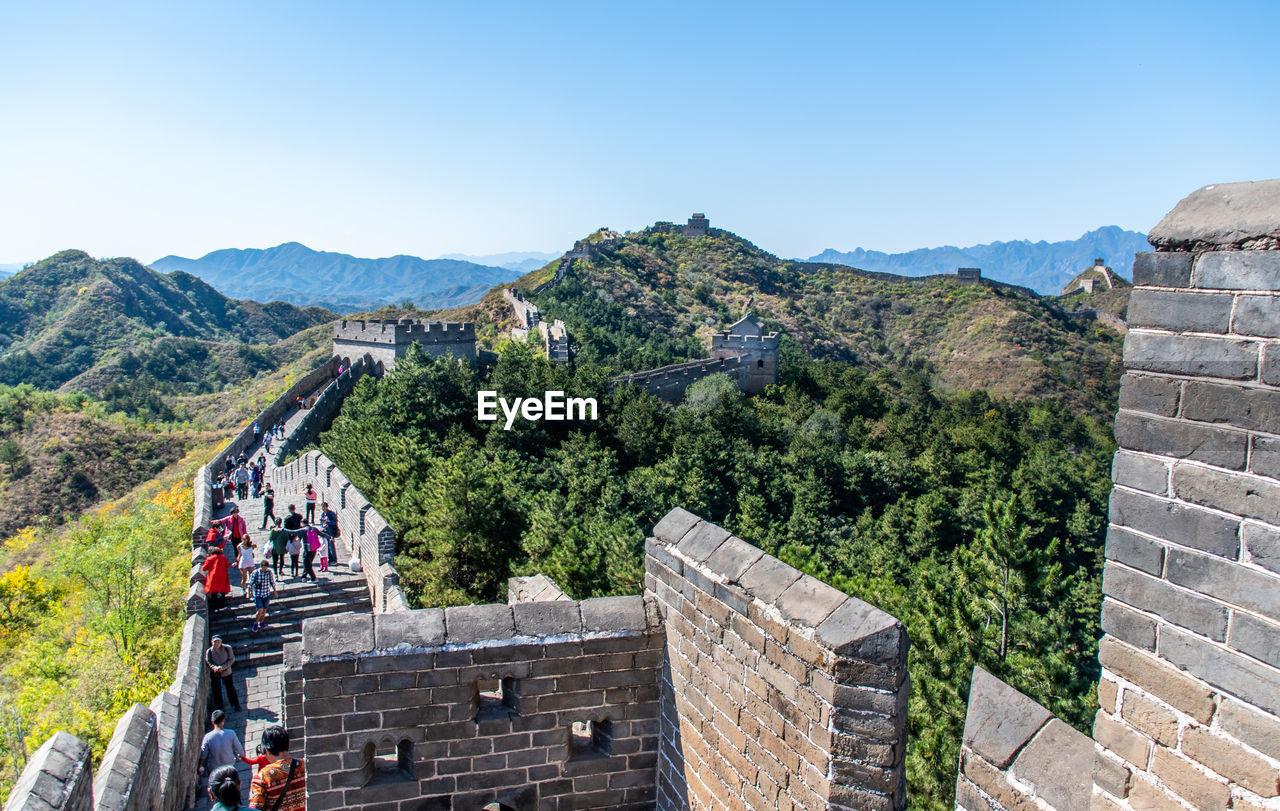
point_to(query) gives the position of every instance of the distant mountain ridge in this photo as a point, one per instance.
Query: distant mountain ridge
(297, 274)
(1045, 267)
(70, 315)
(521, 261)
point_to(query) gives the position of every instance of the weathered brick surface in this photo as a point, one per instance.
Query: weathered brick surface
(1134, 550)
(1017, 752)
(1179, 523)
(1162, 269)
(1202, 791)
(1241, 494)
(1227, 358)
(129, 776)
(1178, 605)
(1232, 761)
(779, 691)
(58, 775)
(1180, 439)
(1192, 597)
(420, 682)
(1237, 270)
(1150, 718)
(1158, 677)
(1180, 310)
(1141, 472)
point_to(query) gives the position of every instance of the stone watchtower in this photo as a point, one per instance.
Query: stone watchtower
(746, 339)
(385, 341)
(698, 226)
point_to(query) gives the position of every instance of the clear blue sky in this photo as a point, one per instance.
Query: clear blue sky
(144, 129)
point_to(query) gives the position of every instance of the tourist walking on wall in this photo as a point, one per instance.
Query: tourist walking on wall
(235, 525)
(269, 506)
(310, 496)
(329, 529)
(281, 785)
(242, 482)
(220, 658)
(310, 546)
(279, 540)
(224, 789)
(262, 583)
(220, 746)
(217, 582)
(294, 546)
(246, 566)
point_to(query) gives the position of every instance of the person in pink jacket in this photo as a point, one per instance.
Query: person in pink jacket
(310, 545)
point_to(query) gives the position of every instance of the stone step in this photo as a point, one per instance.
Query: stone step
(230, 623)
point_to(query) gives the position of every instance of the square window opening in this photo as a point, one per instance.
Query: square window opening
(388, 766)
(590, 739)
(497, 698)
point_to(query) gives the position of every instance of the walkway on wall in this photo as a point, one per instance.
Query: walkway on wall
(259, 667)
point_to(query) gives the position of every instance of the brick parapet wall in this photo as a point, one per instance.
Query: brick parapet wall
(413, 681)
(778, 691)
(58, 775)
(670, 382)
(363, 530)
(320, 414)
(281, 406)
(1190, 690)
(129, 777)
(1015, 754)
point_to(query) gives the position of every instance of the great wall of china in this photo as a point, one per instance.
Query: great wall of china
(736, 681)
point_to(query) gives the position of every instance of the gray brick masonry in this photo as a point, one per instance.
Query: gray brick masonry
(1179, 606)
(1228, 358)
(1015, 753)
(778, 689)
(1141, 472)
(1153, 394)
(1235, 674)
(1179, 439)
(1257, 315)
(129, 777)
(1135, 550)
(1191, 607)
(58, 775)
(1255, 409)
(1237, 270)
(1182, 311)
(1262, 546)
(1176, 522)
(1162, 269)
(1237, 493)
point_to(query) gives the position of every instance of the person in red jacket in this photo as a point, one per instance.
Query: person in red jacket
(217, 585)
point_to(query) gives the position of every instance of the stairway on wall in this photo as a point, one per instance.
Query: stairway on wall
(259, 666)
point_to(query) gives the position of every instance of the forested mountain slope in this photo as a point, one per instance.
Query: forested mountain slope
(70, 313)
(649, 298)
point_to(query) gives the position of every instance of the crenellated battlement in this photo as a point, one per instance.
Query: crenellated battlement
(406, 330)
(386, 340)
(747, 343)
